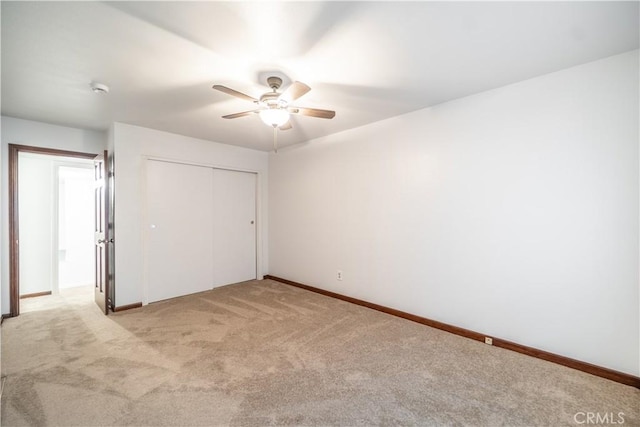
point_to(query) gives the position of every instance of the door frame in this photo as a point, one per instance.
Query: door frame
(144, 214)
(14, 224)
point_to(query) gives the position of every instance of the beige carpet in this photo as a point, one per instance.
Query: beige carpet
(264, 353)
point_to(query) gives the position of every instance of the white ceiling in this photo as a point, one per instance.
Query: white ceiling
(366, 60)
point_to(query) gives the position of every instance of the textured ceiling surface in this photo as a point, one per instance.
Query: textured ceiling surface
(366, 60)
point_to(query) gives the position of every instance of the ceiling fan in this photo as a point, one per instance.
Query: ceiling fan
(274, 108)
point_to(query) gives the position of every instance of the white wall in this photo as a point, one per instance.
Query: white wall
(76, 226)
(36, 227)
(27, 132)
(132, 144)
(512, 212)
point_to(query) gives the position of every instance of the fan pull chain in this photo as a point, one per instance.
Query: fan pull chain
(275, 139)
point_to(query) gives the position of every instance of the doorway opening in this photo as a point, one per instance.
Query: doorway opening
(56, 258)
(53, 227)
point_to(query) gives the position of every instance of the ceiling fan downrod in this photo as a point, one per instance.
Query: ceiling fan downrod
(275, 139)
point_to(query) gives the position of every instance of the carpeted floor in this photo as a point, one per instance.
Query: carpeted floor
(263, 353)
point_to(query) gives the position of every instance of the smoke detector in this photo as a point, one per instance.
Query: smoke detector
(99, 88)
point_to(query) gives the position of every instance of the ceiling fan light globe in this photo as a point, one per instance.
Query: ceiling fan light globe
(274, 117)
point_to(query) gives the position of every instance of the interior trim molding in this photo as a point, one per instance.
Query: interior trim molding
(35, 294)
(127, 307)
(610, 374)
(4, 316)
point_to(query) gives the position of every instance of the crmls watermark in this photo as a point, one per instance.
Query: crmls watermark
(599, 418)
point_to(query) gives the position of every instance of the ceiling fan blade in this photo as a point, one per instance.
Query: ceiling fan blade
(234, 92)
(313, 112)
(294, 91)
(236, 115)
(286, 126)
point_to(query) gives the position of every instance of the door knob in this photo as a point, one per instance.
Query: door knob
(101, 241)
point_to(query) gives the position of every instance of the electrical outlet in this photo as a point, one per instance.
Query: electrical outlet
(339, 276)
(488, 340)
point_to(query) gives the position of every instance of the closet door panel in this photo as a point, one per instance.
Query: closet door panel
(234, 227)
(179, 244)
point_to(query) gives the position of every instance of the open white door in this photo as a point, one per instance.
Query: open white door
(101, 291)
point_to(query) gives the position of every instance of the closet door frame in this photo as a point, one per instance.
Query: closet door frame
(145, 214)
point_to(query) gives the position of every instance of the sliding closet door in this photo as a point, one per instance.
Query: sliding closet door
(180, 230)
(234, 227)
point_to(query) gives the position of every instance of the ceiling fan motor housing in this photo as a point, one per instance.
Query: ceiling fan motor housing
(272, 100)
